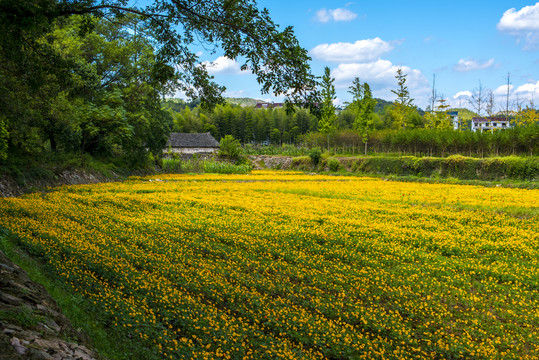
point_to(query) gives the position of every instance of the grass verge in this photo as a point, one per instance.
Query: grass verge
(84, 316)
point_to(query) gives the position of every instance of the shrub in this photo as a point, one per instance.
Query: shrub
(334, 164)
(172, 166)
(231, 148)
(315, 154)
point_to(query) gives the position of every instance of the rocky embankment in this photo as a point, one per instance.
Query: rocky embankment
(8, 187)
(31, 324)
(262, 162)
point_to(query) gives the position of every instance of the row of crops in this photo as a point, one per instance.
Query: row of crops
(286, 265)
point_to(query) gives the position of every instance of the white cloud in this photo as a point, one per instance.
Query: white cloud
(380, 75)
(460, 94)
(223, 65)
(468, 64)
(528, 88)
(502, 90)
(235, 93)
(525, 94)
(340, 14)
(525, 19)
(524, 24)
(360, 51)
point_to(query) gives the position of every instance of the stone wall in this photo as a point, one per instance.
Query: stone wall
(31, 323)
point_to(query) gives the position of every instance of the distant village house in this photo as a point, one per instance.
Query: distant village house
(454, 115)
(489, 123)
(267, 105)
(186, 143)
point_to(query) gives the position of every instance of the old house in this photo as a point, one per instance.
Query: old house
(186, 143)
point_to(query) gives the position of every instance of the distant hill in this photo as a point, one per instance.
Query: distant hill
(180, 104)
(243, 102)
(177, 105)
(464, 113)
(381, 104)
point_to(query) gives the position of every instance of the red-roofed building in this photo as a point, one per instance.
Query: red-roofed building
(267, 105)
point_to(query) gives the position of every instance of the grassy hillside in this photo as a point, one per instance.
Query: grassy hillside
(243, 102)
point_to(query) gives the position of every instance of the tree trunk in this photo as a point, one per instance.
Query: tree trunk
(52, 140)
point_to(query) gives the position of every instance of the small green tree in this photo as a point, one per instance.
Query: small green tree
(403, 106)
(231, 148)
(326, 123)
(363, 108)
(438, 118)
(275, 136)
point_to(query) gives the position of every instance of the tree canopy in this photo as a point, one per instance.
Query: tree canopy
(88, 75)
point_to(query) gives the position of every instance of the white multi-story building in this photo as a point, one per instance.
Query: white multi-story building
(490, 123)
(454, 119)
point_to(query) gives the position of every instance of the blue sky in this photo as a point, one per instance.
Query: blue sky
(461, 42)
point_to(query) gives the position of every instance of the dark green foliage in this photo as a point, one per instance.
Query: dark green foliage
(333, 165)
(315, 154)
(4, 136)
(88, 77)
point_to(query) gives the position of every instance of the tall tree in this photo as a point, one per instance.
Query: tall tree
(508, 91)
(439, 117)
(403, 104)
(33, 70)
(239, 27)
(433, 96)
(490, 104)
(478, 99)
(362, 106)
(326, 123)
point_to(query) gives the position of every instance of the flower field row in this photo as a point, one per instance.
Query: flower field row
(286, 265)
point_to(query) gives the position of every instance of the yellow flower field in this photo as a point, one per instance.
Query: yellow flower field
(286, 265)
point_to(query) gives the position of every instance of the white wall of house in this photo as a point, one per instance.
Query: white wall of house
(490, 125)
(455, 121)
(204, 150)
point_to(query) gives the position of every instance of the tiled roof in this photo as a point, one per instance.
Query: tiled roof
(187, 140)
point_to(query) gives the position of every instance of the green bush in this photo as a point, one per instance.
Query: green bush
(301, 162)
(173, 165)
(231, 148)
(315, 154)
(334, 164)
